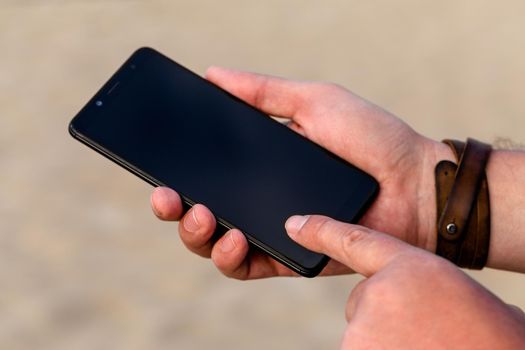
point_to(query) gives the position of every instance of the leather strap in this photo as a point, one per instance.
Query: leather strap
(463, 205)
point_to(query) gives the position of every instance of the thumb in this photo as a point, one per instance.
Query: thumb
(275, 96)
(363, 250)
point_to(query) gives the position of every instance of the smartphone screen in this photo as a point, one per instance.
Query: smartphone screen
(174, 128)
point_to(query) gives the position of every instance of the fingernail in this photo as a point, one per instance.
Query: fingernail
(153, 207)
(295, 223)
(228, 243)
(191, 224)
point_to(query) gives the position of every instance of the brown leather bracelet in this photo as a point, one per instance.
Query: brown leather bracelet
(463, 206)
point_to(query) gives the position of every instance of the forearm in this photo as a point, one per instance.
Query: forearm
(506, 180)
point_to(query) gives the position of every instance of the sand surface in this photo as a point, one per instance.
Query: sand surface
(83, 262)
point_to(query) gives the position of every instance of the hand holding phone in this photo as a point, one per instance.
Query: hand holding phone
(312, 108)
(172, 128)
(328, 115)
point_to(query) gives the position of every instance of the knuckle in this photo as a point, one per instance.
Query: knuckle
(332, 88)
(325, 227)
(353, 235)
(261, 92)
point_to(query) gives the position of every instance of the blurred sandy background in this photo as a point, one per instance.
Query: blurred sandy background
(83, 262)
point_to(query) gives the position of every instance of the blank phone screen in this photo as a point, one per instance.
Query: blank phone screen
(252, 172)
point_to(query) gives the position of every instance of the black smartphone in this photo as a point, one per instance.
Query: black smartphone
(173, 128)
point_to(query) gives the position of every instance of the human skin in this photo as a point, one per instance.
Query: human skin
(410, 298)
(374, 140)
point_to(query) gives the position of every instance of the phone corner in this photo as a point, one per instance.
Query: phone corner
(71, 129)
(313, 271)
(309, 274)
(144, 50)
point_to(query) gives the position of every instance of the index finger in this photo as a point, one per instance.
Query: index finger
(363, 250)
